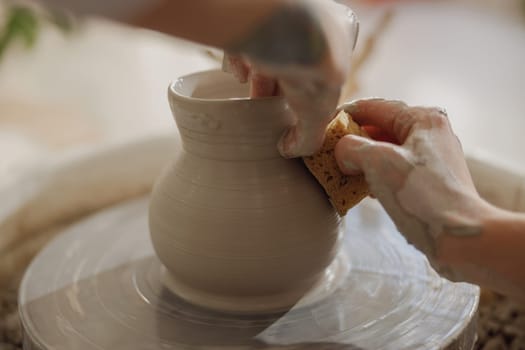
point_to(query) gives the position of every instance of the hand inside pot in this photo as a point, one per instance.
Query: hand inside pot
(301, 50)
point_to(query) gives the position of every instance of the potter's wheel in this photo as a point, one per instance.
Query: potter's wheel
(98, 286)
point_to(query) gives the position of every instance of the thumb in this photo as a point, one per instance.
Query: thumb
(356, 154)
(350, 153)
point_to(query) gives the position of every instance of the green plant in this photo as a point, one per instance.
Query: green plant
(23, 23)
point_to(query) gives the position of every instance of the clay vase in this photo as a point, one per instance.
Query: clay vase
(238, 227)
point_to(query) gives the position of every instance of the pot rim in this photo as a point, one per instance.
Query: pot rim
(174, 91)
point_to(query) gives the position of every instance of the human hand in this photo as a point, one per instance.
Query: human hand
(420, 176)
(302, 52)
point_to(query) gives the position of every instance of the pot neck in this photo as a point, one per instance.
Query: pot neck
(231, 129)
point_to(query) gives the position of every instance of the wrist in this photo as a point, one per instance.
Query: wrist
(458, 244)
(491, 258)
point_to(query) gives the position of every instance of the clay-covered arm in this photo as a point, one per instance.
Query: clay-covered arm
(300, 49)
(495, 258)
(211, 22)
(218, 23)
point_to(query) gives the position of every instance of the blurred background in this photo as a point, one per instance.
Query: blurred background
(73, 76)
(77, 75)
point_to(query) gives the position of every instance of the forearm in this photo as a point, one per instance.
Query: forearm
(219, 23)
(121, 10)
(494, 258)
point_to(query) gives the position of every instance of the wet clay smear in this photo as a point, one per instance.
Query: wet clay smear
(343, 191)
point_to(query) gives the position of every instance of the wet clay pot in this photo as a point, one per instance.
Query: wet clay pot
(238, 227)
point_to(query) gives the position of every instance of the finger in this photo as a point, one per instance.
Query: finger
(356, 154)
(393, 117)
(262, 86)
(313, 104)
(346, 155)
(237, 66)
(303, 139)
(341, 27)
(378, 134)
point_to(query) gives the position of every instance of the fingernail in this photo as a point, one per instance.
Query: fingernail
(348, 107)
(226, 66)
(350, 166)
(351, 108)
(287, 144)
(373, 99)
